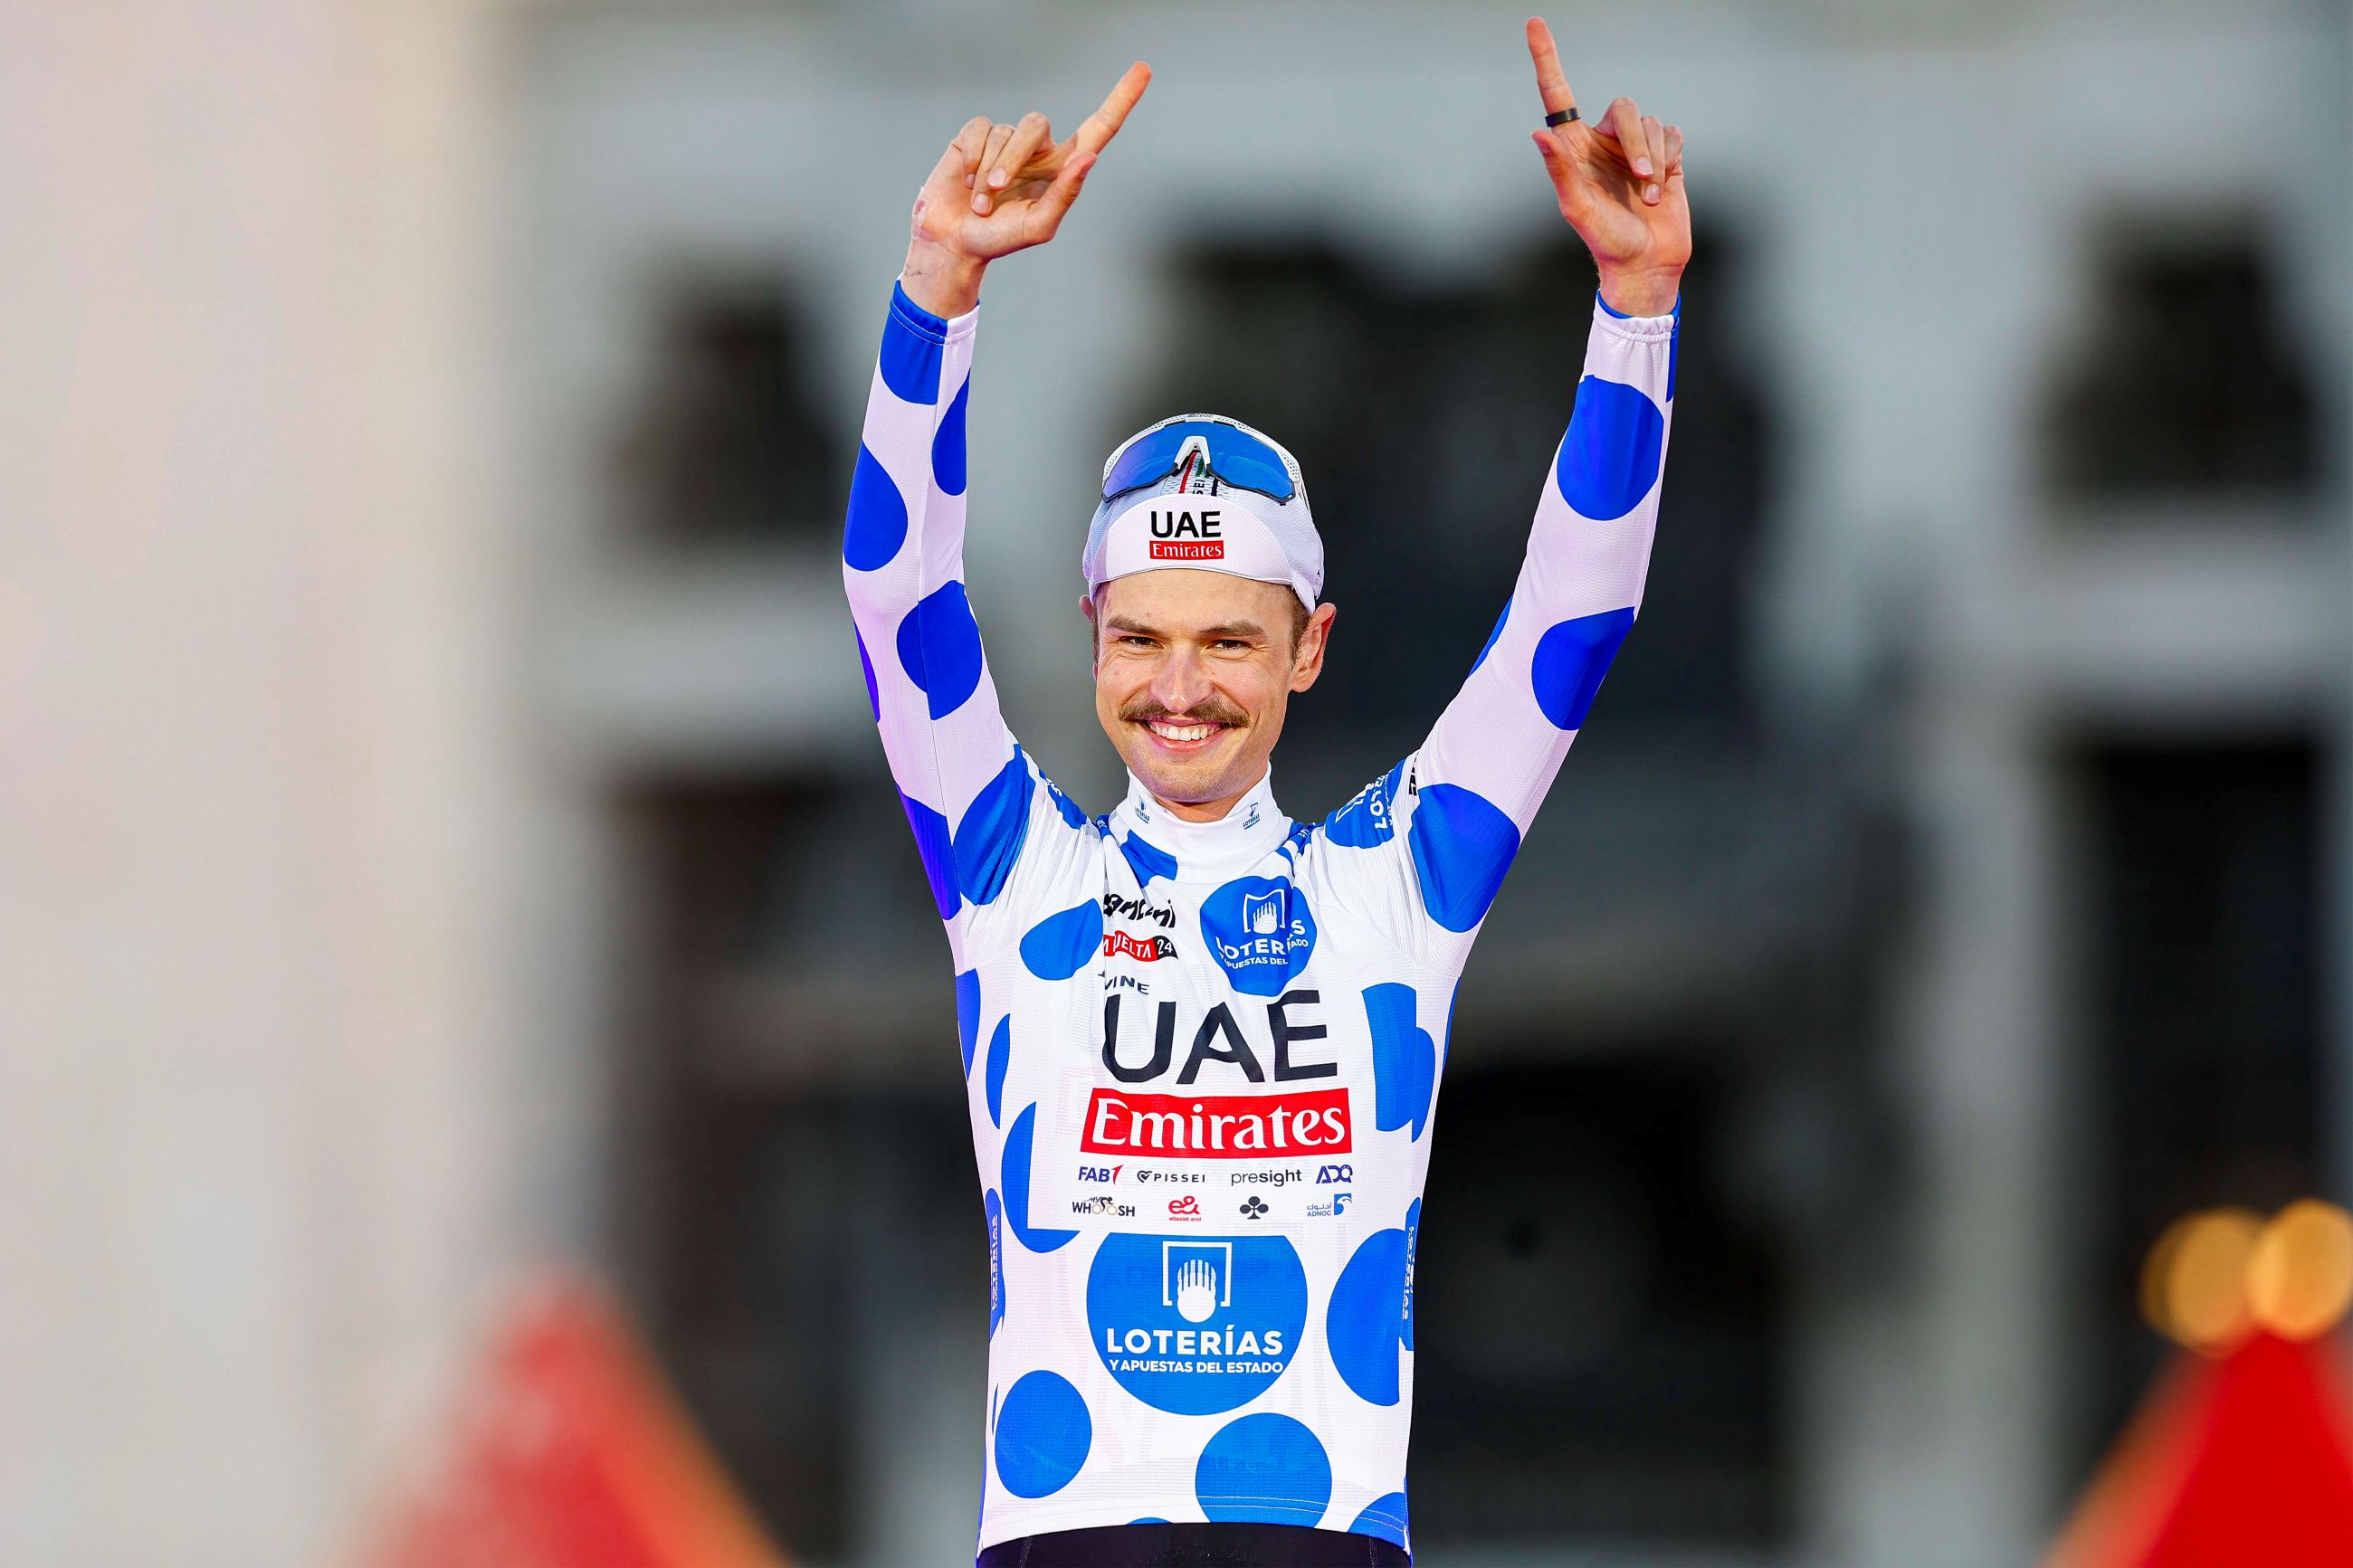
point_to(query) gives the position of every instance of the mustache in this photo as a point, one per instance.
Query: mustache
(1210, 711)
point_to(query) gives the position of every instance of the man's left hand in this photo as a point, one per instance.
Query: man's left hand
(1620, 180)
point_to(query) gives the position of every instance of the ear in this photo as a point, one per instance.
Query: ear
(1309, 662)
(1094, 644)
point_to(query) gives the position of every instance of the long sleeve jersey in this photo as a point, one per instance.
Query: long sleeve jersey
(1201, 1058)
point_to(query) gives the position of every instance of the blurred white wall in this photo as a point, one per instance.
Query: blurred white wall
(265, 1107)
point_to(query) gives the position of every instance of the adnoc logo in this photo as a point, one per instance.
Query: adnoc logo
(1196, 1325)
(1262, 933)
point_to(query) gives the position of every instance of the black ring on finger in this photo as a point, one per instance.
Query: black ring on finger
(1561, 116)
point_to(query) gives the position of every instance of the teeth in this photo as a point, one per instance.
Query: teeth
(1181, 732)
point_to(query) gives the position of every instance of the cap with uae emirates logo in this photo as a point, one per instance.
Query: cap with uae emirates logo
(1206, 492)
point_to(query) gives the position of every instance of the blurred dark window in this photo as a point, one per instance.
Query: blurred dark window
(2203, 918)
(724, 442)
(2191, 385)
(1425, 420)
(795, 1199)
(1596, 1335)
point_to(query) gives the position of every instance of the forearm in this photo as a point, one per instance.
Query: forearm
(902, 567)
(943, 282)
(1637, 290)
(1506, 734)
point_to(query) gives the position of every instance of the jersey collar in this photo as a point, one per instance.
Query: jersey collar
(1253, 828)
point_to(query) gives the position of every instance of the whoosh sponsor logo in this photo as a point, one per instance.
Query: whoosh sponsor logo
(1216, 1126)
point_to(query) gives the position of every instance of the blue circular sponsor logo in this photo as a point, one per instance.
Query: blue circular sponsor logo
(1260, 930)
(1196, 1325)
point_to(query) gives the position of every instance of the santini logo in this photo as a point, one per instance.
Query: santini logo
(1187, 533)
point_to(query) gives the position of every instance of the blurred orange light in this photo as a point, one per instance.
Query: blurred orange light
(2300, 1275)
(2194, 1288)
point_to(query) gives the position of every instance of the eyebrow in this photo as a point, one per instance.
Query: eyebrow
(1207, 634)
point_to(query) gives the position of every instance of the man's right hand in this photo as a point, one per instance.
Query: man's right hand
(1002, 188)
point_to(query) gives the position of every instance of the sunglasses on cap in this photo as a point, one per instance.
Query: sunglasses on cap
(1235, 458)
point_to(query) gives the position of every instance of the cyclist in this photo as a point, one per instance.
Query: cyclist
(1202, 1041)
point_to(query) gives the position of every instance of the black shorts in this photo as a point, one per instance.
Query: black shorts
(1196, 1546)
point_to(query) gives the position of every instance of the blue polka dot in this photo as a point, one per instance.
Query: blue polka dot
(1000, 1057)
(1071, 814)
(988, 840)
(1368, 819)
(939, 648)
(1060, 945)
(1463, 844)
(1492, 637)
(913, 345)
(1147, 860)
(1196, 1325)
(1405, 1059)
(995, 1210)
(1383, 1517)
(1015, 1180)
(947, 446)
(1364, 1323)
(1570, 660)
(931, 831)
(1266, 1468)
(878, 516)
(1147, 1518)
(968, 1014)
(1043, 1433)
(1609, 460)
(1260, 931)
(873, 696)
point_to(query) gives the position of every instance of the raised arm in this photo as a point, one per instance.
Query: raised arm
(1485, 767)
(967, 790)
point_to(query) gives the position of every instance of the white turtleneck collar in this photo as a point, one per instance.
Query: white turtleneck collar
(1251, 830)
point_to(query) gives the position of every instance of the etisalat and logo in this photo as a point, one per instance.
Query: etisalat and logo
(1197, 1325)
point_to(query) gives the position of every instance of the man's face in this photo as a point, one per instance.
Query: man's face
(1193, 671)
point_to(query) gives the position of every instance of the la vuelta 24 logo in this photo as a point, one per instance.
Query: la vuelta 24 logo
(1144, 949)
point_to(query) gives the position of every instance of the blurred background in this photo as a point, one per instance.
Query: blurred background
(441, 833)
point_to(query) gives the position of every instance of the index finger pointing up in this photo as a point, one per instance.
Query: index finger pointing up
(1550, 79)
(1100, 127)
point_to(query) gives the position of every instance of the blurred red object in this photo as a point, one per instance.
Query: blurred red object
(2241, 1462)
(573, 1452)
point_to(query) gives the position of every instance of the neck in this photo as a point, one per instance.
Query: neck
(1206, 810)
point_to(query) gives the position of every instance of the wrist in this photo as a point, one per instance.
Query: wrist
(1641, 291)
(943, 281)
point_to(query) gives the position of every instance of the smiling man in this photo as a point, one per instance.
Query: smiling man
(1202, 1043)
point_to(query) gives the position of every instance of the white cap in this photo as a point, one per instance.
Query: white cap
(1193, 518)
